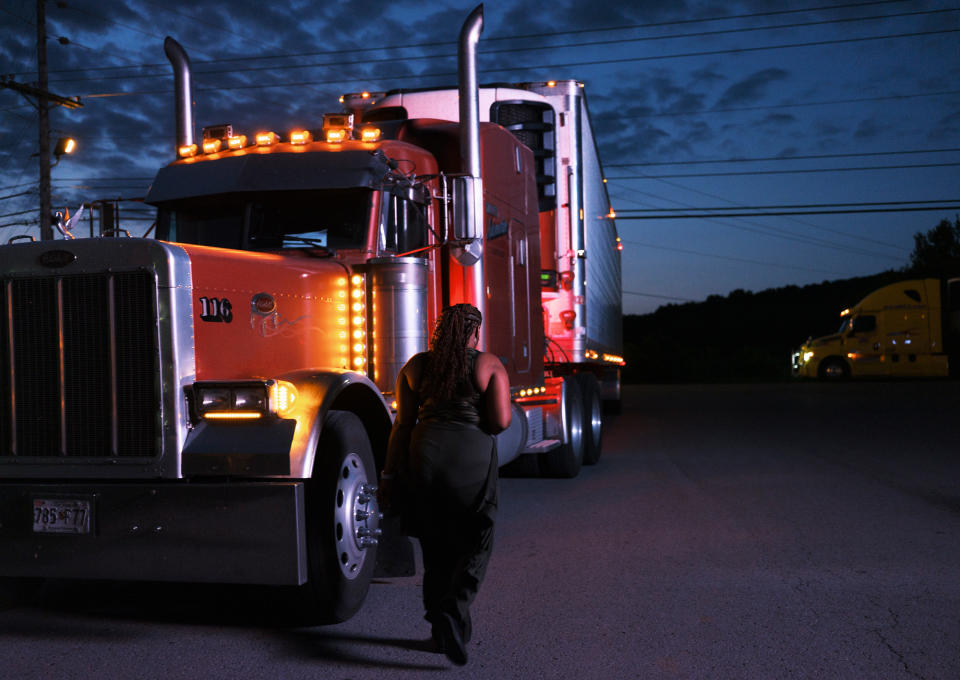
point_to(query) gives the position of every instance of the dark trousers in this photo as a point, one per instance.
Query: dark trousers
(453, 568)
(454, 507)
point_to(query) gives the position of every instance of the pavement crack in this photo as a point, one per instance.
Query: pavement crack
(895, 618)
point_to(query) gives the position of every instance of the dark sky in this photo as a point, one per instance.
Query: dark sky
(697, 104)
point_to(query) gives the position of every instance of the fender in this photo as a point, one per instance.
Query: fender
(322, 391)
(286, 447)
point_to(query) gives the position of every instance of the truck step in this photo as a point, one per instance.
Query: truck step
(543, 446)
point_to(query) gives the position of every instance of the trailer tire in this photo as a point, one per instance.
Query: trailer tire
(833, 368)
(341, 509)
(565, 460)
(592, 418)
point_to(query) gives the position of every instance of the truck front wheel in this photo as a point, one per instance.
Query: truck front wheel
(833, 369)
(343, 520)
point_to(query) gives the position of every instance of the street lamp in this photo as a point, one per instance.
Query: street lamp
(65, 145)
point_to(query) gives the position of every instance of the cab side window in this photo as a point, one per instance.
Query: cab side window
(864, 324)
(406, 225)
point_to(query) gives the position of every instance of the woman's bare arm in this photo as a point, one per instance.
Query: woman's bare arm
(495, 385)
(407, 406)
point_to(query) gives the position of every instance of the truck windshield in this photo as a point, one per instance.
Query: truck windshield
(329, 218)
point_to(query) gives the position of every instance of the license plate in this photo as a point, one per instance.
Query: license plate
(61, 516)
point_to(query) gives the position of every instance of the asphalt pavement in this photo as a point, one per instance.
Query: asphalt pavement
(730, 531)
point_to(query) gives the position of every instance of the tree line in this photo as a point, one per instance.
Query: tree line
(749, 337)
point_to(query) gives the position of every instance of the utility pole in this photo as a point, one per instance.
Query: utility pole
(43, 102)
(46, 230)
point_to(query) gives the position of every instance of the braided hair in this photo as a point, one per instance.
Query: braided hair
(447, 364)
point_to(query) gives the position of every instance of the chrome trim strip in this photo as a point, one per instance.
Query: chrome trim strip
(61, 368)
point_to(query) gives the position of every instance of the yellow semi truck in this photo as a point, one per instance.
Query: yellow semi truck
(910, 328)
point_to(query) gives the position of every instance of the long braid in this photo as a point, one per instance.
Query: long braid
(447, 362)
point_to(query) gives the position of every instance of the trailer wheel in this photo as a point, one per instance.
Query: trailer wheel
(565, 460)
(343, 520)
(592, 417)
(833, 369)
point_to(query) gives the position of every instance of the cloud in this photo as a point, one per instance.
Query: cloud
(867, 129)
(750, 89)
(778, 119)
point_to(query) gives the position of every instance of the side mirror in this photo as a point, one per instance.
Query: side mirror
(467, 209)
(467, 222)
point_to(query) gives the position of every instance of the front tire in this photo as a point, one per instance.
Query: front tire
(833, 369)
(343, 520)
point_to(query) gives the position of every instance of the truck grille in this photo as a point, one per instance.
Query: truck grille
(79, 366)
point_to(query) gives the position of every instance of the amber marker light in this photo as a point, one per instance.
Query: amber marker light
(301, 137)
(237, 142)
(336, 135)
(187, 151)
(211, 145)
(232, 415)
(283, 395)
(370, 134)
(267, 138)
(551, 83)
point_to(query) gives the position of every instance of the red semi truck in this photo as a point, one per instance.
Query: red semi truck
(213, 405)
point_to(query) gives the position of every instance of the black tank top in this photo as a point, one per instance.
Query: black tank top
(464, 407)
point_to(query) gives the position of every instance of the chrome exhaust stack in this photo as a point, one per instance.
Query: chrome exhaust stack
(183, 90)
(470, 253)
(469, 93)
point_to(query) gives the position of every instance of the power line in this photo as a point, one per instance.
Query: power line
(829, 102)
(787, 235)
(117, 23)
(488, 39)
(22, 193)
(730, 258)
(782, 213)
(654, 295)
(788, 206)
(525, 48)
(507, 69)
(743, 173)
(22, 212)
(781, 158)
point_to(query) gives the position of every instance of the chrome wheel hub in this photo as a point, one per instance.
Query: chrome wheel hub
(356, 516)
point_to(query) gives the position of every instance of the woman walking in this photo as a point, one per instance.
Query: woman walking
(442, 460)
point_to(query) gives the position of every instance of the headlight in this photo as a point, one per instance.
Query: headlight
(250, 399)
(213, 399)
(243, 401)
(230, 402)
(807, 356)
